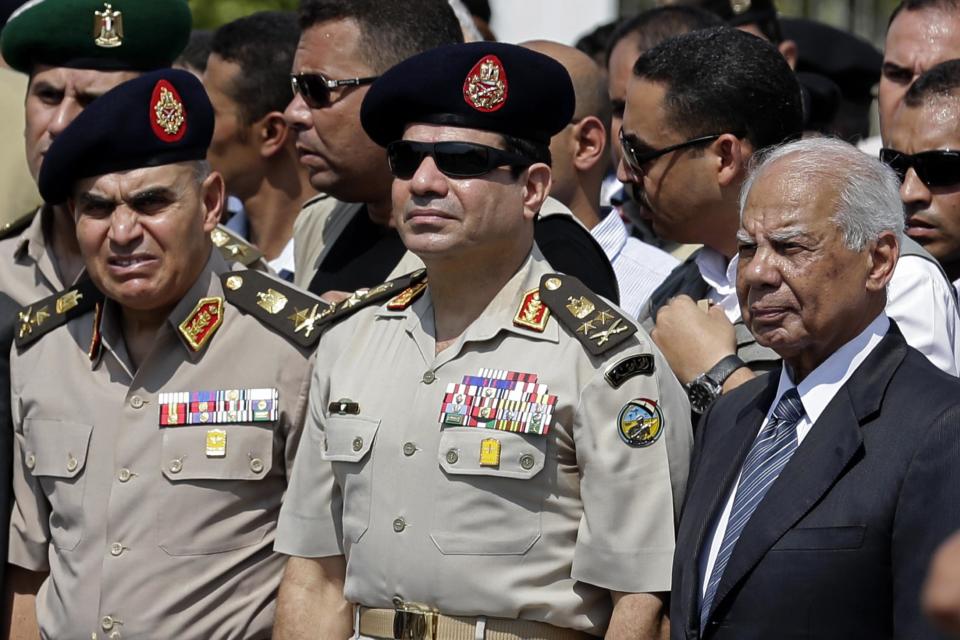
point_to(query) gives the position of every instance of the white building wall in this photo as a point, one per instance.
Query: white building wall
(560, 20)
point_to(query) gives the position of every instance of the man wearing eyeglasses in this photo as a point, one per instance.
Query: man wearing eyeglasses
(497, 452)
(344, 46)
(698, 107)
(922, 144)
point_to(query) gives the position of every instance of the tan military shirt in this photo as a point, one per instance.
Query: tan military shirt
(319, 224)
(27, 270)
(475, 521)
(153, 531)
(19, 191)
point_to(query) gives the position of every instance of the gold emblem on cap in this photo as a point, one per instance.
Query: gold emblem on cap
(169, 112)
(108, 27)
(486, 85)
(739, 6)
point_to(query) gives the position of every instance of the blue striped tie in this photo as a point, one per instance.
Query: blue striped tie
(770, 453)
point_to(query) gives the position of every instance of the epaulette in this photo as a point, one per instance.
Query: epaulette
(291, 312)
(233, 248)
(366, 297)
(596, 324)
(10, 229)
(40, 318)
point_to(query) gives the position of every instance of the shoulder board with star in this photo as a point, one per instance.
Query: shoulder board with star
(14, 227)
(233, 248)
(35, 320)
(389, 290)
(595, 323)
(291, 312)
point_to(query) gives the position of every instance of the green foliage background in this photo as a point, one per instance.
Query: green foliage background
(210, 14)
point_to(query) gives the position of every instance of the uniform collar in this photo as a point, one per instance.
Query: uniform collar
(499, 313)
(32, 241)
(207, 285)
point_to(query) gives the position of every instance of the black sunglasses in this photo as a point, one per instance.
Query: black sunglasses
(636, 160)
(315, 88)
(453, 159)
(937, 168)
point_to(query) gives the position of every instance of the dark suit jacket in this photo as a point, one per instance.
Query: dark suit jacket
(840, 545)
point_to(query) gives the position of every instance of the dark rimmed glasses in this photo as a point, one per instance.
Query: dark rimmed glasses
(937, 168)
(315, 88)
(454, 159)
(635, 159)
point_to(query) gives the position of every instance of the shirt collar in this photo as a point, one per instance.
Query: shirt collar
(32, 242)
(611, 233)
(822, 384)
(716, 271)
(499, 313)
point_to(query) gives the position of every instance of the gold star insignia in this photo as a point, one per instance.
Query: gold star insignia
(603, 317)
(586, 327)
(304, 320)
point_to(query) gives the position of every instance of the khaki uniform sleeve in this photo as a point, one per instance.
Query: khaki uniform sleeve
(310, 518)
(298, 420)
(631, 494)
(30, 518)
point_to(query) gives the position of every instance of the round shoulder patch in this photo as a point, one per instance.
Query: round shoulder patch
(485, 88)
(168, 117)
(640, 422)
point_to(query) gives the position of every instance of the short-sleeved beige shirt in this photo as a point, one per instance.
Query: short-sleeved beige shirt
(153, 531)
(27, 270)
(544, 533)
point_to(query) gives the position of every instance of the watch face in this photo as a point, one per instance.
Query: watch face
(701, 396)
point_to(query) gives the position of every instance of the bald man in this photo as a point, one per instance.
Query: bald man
(580, 158)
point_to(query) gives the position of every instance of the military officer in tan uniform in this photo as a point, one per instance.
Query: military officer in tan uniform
(148, 487)
(497, 452)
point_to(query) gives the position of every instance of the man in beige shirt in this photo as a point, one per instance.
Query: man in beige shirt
(159, 404)
(498, 452)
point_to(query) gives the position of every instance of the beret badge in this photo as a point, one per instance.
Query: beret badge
(167, 116)
(108, 27)
(485, 88)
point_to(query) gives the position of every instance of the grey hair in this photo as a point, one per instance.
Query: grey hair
(868, 203)
(201, 170)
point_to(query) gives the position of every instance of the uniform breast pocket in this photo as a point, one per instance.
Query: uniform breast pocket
(347, 444)
(491, 501)
(221, 492)
(55, 453)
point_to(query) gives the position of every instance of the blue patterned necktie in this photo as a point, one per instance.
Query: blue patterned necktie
(769, 454)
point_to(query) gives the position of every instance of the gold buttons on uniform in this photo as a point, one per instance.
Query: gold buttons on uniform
(116, 549)
(409, 449)
(106, 623)
(526, 461)
(357, 443)
(256, 465)
(452, 456)
(429, 377)
(176, 466)
(553, 284)
(124, 475)
(397, 601)
(399, 525)
(31, 461)
(72, 463)
(136, 402)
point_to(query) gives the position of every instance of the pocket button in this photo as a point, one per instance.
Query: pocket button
(526, 461)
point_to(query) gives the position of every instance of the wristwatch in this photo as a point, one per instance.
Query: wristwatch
(706, 387)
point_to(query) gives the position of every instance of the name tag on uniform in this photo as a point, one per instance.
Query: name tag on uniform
(499, 399)
(220, 406)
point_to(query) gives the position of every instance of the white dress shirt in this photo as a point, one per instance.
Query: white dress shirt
(919, 299)
(722, 278)
(815, 391)
(640, 268)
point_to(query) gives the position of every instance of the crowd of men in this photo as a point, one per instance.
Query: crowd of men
(352, 322)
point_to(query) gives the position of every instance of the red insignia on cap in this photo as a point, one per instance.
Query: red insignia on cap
(168, 116)
(485, 88)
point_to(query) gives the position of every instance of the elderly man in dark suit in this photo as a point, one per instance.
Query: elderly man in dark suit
(819, 492)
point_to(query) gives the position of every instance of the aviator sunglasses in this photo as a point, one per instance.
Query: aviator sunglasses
(315, 88)
(636, 159)
(453, 159)
(937, 168)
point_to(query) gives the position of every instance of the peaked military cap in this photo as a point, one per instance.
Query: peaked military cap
(480, 85)
(159, 118)
(109, 35)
